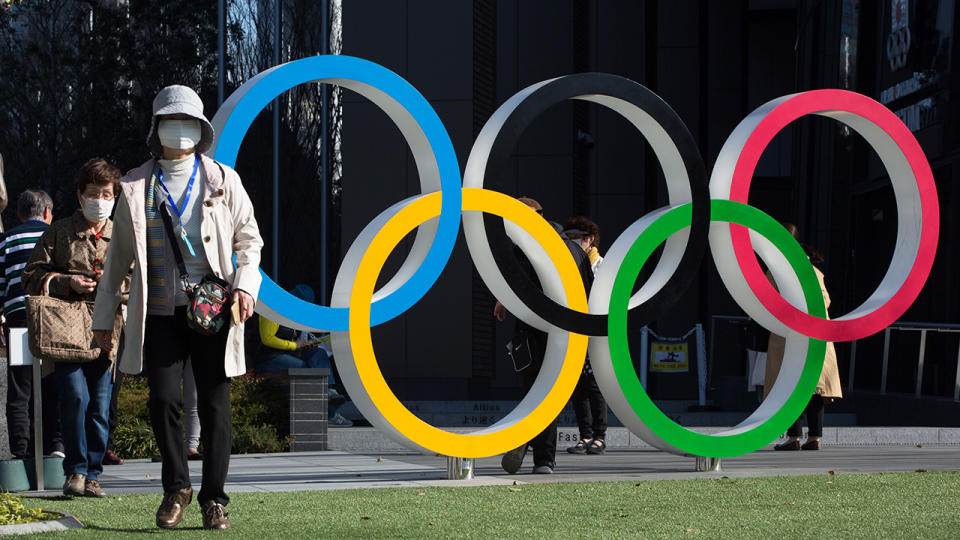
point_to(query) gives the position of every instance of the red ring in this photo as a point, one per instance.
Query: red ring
(836, 100)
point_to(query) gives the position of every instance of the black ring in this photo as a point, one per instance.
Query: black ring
(570, 87)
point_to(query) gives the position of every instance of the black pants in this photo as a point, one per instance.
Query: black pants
(814, 412)
(545, 444)
(20, 412)
(589, 407)
(167, 345)
(19, 407)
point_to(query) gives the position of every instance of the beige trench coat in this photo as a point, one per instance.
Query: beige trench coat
(228, 228)
(829, 385)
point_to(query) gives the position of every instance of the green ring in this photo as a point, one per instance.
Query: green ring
(688, 441)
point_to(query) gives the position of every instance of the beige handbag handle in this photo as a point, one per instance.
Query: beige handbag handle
(45, 290)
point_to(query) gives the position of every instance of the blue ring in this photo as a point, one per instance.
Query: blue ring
(271, 84)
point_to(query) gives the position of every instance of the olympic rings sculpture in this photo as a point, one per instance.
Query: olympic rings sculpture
(698, 213)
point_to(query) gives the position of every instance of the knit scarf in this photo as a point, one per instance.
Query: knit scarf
(156, 247)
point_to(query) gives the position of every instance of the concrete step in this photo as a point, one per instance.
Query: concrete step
(367, 439)
(486, 413)
(721, 419)
(502, 407)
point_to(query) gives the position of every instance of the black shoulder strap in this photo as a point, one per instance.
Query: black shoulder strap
(168, 225)
(177, 254)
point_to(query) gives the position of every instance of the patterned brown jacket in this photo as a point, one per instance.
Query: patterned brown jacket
(67, 248)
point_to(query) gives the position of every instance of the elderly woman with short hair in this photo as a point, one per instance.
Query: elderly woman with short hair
(214, 229)
(67, 263)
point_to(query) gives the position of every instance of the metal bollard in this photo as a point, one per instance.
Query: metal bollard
(37, 424)
(708, 464)
(459, 468)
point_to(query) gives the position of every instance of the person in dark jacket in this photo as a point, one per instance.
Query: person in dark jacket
(35, 211)
(544, 445)
(588, 404)
(3, 193)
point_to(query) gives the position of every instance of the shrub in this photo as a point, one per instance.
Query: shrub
(132, 401)
(12, 511)
(258, 402)
(257, 439)
(260, 416)
(133, 438)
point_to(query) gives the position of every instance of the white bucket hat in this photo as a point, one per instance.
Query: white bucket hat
(179, 99)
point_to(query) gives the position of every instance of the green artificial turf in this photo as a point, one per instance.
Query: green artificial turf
(913, 505)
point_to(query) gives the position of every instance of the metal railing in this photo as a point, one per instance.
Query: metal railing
(729, 319)
(923, 328)
(697, 329)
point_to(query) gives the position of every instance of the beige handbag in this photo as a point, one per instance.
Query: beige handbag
(62, 331)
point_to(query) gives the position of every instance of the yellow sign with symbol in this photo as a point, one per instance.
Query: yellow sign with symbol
(669, 357)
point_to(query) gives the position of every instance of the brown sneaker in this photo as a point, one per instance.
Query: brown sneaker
(74, 484)
(171, 508)
(214, 516)
(91, 488)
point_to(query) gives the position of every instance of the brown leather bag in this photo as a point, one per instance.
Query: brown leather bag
(62, 331)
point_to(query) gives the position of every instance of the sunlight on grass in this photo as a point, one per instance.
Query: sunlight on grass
(880, 505)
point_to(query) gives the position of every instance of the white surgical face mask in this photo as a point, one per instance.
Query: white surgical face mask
(179, 134)
(96, 210)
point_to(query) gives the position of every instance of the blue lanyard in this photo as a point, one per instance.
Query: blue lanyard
(186, 199)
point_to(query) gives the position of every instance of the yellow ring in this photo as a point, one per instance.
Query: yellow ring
(495, 439)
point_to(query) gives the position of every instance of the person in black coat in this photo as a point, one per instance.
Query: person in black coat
(589, 406)
(544, 445)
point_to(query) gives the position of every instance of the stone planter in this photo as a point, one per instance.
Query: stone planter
(20, 475)
(53, 477)
(13, 476)
(62, 523)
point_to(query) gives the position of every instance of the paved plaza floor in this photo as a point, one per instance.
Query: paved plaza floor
(343, 470)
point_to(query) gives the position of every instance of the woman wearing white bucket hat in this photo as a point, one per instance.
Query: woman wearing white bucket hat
(209, 221)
